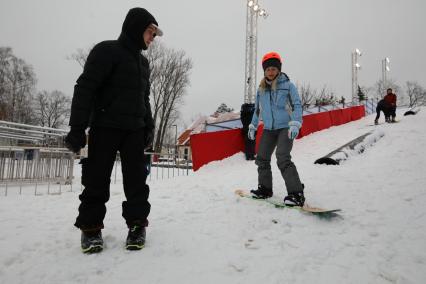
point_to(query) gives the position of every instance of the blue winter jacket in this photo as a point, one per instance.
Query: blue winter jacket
(278, 107)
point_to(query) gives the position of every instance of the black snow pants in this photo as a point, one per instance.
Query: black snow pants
(385, 110)
(104, 143)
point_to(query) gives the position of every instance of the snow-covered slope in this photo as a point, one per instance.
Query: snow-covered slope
(201, 232)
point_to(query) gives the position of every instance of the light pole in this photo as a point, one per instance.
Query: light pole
(253, 11)
(385, 69)
(175, 140)
(355, 67)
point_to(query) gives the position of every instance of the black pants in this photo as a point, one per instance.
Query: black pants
(385, 112)
(249, 145)
(392, 112)
(96, 176)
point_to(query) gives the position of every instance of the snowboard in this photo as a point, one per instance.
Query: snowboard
(280, 204)
(382, 123)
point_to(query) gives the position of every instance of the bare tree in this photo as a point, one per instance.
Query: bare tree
(17, 83)
(325, 96)
(416, 94)
(223, 108)
(80, 56)
(52, 109)
(380, 88)
(169, 80)
(307, 95)
(422, 100)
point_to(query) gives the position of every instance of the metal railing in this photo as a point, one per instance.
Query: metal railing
(37, 162)
(14, 134)
(32, 167)
(161, 166)
(20, 166)
(370, 106)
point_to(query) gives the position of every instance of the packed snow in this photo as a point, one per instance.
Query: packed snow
(201, 232)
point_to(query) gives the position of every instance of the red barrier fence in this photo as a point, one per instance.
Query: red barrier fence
(214, 146)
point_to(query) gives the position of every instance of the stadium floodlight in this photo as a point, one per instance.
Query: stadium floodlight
(253, 12)
(355, 67)
(385, 69)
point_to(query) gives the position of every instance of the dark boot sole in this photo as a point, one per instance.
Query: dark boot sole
(135, 247)
(93, 249)
(260, 197)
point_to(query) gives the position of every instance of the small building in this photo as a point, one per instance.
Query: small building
(183, 145)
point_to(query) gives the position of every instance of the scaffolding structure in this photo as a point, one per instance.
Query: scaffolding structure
(253, 11)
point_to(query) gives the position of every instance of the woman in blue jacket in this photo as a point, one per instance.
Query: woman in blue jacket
(278, 105)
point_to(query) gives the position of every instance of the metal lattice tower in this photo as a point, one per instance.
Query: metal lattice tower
(355, 67)
(385, 69)
(253, 11)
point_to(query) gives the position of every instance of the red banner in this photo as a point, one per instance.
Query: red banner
(215, 146)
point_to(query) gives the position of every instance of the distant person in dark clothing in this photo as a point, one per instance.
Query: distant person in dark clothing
(247, 111)
(112, 97)
(390, 100)
(382, 106)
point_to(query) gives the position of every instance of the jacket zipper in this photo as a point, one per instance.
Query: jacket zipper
(272, 111)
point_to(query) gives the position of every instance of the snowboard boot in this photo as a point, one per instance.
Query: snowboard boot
(136, 237)
(91, 241)
(393, 119)
(376, 121)
(261, 192)
(295, 199)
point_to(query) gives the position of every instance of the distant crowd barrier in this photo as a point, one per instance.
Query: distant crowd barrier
(215, 146)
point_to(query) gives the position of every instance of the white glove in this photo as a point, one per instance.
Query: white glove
(293, 129)
(251, 132)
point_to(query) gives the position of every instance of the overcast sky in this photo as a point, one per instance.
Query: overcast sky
(314, 37)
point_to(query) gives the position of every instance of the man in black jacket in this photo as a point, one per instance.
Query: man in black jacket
(112, 97)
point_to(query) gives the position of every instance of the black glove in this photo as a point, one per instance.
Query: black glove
(75, 139)
(149, 138)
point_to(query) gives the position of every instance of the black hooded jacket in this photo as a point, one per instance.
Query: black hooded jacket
(113, 90)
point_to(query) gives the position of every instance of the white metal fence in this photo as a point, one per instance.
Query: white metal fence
(370, 107)
(20, 166)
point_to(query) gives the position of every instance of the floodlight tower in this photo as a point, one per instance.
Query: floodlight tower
(355, 67)
(385, 69)
(253, 11)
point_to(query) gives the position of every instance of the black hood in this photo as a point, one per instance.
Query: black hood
(135, 24)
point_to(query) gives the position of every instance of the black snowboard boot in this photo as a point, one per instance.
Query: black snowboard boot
(136, 237)
(295, 199)
(376, 121)
(261, 192)
(91, 241)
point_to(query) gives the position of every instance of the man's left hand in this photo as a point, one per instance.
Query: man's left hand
(149, 138)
